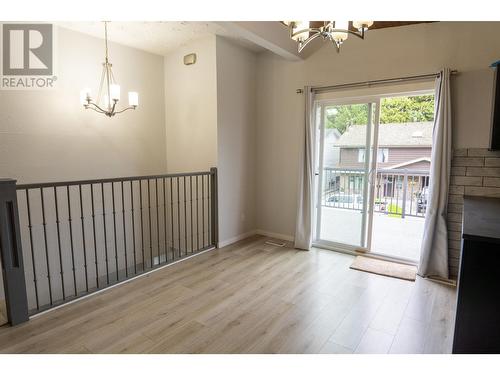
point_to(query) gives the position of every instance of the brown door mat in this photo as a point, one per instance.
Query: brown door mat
(385, 268)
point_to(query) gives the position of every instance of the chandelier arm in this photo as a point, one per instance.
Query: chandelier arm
(96, 108)
(309, 30)
(355, 33)
(114, 106)
(360, 35)
(308, 40)
(126, 109)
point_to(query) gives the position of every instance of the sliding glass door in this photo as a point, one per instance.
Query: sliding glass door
(346, 135)
(372, 173)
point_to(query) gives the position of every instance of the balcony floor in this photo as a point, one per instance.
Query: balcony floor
(249, 297)
(392, 236)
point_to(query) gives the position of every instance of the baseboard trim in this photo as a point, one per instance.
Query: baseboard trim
(279, 236)
(237, 238)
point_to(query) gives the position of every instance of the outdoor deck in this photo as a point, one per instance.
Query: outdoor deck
(392, 235)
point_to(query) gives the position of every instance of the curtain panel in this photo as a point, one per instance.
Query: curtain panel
(434, 251)
(305, 208)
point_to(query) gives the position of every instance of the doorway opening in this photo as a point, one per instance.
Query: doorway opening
(373, 162)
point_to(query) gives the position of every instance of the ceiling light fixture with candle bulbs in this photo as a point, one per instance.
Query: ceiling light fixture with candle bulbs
(304, 32)
(108, 95)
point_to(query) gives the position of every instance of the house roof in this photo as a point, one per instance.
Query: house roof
(412, 134)
(410, 162)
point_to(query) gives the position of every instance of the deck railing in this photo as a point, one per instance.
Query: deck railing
(75, 238)
(398, 192)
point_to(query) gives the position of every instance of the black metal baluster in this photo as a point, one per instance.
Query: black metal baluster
(83, 240)
(70, 221)
(30, 227)
(209, 215)
(165, 218)
(114, 231)
(185, 218)
(124, 233)
(46, 246)
(191, 210)
(207, 201)
(172, 216)
(157, 221)
(59, 244)
(133, 223)
(96, 260)
(203, 209)
(105, 233)
(179, 217)
(197, 215)
(142, 227)
(150, 229)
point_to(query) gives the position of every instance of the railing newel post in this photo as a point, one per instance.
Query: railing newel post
(214, 208)
(12, 254)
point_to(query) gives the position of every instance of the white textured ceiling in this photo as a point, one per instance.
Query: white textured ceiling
(156, 37)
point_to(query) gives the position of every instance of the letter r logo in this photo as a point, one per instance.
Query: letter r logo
(27, 49)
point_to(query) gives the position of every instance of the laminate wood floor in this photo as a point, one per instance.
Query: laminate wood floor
(249, 297)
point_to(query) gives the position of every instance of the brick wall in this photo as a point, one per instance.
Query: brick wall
(474, 171)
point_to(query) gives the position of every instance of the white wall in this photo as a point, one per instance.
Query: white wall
(191, 108)
(424, 48)
(48, 136)
(236, 131)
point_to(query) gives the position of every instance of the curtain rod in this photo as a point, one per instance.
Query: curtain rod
(317, 89)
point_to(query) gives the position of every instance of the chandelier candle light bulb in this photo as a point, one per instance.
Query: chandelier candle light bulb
(133, 99)
(114, 92)
(300, 31)
(109, 91)
(362, 25)
(340, 36)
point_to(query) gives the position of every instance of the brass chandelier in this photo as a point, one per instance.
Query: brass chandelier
(337, 32)
(109, 91)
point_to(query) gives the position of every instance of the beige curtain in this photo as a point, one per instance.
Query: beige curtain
(434, 252)
(305, 209)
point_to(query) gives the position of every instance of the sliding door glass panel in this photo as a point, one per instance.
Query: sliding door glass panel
(344, 165)
(402, 175)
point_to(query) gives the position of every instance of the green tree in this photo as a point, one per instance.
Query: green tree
(401, 109)
(407, 109)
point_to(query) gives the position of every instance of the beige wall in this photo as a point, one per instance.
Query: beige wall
(468, 47)
(236, 131)
(191, 108)
(48, 136)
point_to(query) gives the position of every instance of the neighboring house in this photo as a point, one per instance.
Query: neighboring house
(403, 148)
